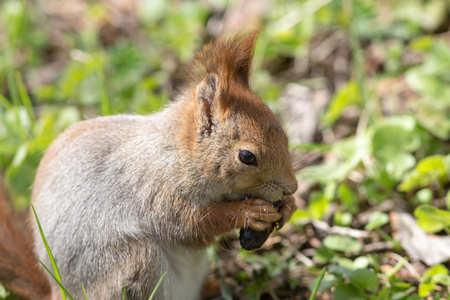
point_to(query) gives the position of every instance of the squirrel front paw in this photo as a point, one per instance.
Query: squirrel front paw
(257, 214)
(251, 238)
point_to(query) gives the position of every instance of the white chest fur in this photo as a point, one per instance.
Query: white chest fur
(187, 271)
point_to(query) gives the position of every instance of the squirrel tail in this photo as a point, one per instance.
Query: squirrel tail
(19, 270)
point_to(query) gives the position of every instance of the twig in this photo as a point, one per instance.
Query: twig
(305, 260)
(355, 233)
(407, 265)
(378, 246)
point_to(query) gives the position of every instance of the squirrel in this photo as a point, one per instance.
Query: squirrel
(124, 199)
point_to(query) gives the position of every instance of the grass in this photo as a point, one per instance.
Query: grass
(378, 75)
(56, 275)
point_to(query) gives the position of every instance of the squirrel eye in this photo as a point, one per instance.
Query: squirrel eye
(247, 157)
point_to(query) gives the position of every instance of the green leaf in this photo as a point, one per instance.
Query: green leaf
(324, 255)
(325, 173)
(342, 218)
(392, 135)
(399, 164)
(325, 284)
(345, 267)
(361, 262)
(393, 139)
(433, 116)
(298, 216)
(431, 169)
(384, 294)
(431, 81)
(422, 43)
(351, 150)
(376, 220)
(443, 279)
(366, 279)
(435, 270)
(318, 205)
(348, 198)
(3, 292)
(346, 291)
(431, 78)
(425, 288)
(430, 278)
(423, 196)
(432, 219)
(344, 97)
(342, 243)
(403, 294)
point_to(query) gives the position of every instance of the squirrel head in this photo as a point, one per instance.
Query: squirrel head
(234, 140)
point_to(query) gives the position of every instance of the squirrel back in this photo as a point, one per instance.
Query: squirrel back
(125, 199)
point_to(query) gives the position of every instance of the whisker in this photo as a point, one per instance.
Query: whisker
(290, 208)
(236, 216)
(219, 204)
(299, 164)
(284, 203)
(289, 190)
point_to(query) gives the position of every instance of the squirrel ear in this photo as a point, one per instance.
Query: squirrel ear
(205, 99)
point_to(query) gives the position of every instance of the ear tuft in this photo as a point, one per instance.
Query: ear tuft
(230, 57)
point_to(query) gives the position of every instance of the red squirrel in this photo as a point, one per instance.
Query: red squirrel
(124, 199)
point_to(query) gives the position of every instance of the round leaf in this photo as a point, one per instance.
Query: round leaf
(365, 279)
(432, 219)
(342, 243)
(376, 220)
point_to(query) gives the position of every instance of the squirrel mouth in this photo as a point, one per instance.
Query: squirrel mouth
(246, 196)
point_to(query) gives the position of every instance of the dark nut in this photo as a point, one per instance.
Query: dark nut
(252, 239)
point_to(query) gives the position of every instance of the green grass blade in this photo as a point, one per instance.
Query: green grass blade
(157, 285)
(397, 267)
(25, 98)
(316, 286)
(124, 290)
(5, 103)
(106, 106)
(63, 289)
(58, 277)
(10, 76)
(84, 292)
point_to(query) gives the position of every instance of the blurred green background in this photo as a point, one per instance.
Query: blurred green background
(372, 78)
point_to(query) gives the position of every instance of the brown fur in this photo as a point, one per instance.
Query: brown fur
(19, 269)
